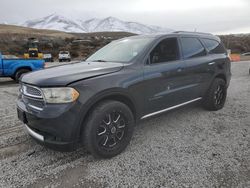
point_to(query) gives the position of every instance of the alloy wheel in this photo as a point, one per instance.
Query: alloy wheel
(219, 95)
(111, 130)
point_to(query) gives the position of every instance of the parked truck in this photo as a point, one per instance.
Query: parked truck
(64, 56)
(14, 68)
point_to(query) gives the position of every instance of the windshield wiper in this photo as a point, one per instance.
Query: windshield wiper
(99, 60)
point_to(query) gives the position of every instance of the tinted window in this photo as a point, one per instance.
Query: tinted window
(166, 50)
(192, 47)
(213, 46)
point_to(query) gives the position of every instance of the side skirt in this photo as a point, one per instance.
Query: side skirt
(170, 108)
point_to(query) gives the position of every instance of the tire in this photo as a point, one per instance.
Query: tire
(19, 73)
(100, 137)
(216, 96)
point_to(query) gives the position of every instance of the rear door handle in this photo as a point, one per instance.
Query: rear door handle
(211, 63)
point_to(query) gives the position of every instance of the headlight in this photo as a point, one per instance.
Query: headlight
(60, 95)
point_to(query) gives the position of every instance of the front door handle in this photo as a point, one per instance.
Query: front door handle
(179, 70)
(211, 63)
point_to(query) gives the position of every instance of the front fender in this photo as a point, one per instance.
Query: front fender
(106, 94)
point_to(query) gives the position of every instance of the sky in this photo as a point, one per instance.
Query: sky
(215, 16)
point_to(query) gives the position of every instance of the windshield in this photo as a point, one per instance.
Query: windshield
(121, 51)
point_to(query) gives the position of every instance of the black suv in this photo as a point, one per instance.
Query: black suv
(97, 102)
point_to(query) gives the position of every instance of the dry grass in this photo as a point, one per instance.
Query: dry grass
(13, 40)
(11, 29)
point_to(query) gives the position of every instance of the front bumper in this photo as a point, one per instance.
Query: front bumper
(35, 135)
(52, 144)
(56, 126)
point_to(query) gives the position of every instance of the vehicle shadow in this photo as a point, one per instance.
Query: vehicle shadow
(7, 82)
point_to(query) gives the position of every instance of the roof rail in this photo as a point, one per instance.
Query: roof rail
(192, 32)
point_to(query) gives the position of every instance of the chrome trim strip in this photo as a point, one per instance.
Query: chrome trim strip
(34, 107)
(35, 99)
(211, 63)
(170, 108)
(34, 134)
(33, 96)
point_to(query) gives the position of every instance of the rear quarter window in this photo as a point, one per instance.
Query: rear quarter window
(213, 46)
(192, 47)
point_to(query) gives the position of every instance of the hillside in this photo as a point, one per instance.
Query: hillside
(13, 40)
(11, 29)
(238, 43)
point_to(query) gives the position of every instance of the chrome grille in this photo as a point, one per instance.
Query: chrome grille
(32, 97)
(31, 91)
(37, 104)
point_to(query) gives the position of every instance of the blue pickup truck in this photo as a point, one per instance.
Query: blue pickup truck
(14, 68)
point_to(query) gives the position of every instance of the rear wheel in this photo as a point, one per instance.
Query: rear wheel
(109, 129)
(216, 95)
(19, 73)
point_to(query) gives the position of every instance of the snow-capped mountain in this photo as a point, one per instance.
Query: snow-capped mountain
(4, 23)
(55, 22)
(61, 23)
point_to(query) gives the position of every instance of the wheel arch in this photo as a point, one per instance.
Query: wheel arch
(20, 68)
(222, 76)
(116, 96)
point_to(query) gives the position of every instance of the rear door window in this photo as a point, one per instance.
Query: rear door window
(192, 47)
(213, 46)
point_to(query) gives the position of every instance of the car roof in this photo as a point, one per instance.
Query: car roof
(179, 33)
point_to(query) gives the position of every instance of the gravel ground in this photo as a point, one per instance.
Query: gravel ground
(187, 147)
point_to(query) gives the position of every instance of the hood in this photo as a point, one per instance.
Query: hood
(66, 74)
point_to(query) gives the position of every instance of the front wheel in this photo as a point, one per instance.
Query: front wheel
(108, 129)
(216, 96)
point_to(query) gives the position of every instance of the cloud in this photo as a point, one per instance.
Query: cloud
(204, 15)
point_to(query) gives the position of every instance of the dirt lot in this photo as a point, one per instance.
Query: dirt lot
(187, 147)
